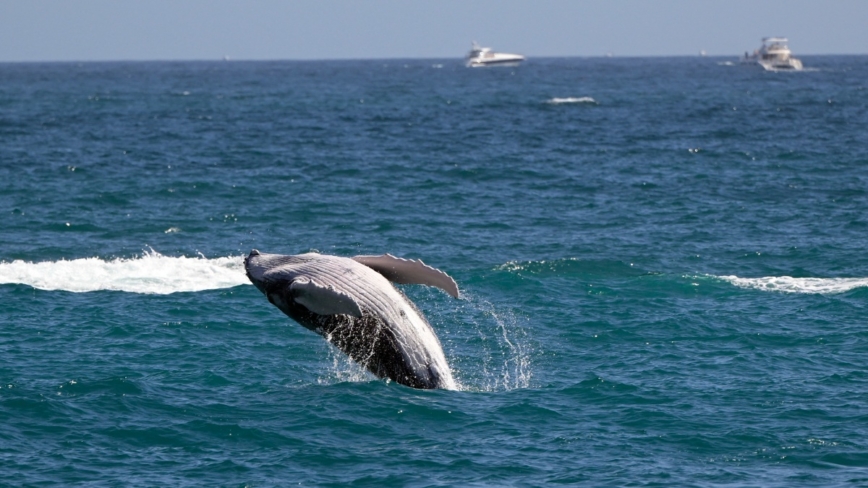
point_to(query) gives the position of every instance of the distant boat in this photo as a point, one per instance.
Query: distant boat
(483, 56)
(773, 55)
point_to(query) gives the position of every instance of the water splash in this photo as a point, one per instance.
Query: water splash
(514, 371)
(494, 353)
(788, 284)
(151, 273)
(342, 368)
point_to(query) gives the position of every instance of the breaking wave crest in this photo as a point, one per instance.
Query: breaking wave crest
(152, 273)
(787, 284)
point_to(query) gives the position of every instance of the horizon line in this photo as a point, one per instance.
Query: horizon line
(228, 58)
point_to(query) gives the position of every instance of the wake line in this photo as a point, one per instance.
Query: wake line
(787, 284)
(558, 101)
(151, 273)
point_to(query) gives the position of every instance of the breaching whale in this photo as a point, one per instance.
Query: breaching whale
(351, 302)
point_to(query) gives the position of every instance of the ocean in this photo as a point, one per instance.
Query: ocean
(662, 264)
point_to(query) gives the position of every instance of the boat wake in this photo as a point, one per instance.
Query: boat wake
(787, 284)
(559, 101)
(152, 273)
(784, 70)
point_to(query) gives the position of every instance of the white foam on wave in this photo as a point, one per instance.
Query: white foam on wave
(788, 284)
(152, 273)
(558, 101)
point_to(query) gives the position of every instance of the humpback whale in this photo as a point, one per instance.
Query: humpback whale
(352, 303)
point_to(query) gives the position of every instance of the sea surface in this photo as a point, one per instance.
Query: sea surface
(663, 265)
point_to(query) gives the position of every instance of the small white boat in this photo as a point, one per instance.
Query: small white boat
(773, 55)
(483, 56)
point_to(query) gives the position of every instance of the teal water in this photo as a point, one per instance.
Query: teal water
(663, 266)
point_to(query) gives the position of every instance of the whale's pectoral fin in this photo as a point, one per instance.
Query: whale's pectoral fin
(323, 300)
(409, 272)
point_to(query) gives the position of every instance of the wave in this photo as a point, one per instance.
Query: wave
(558, 101)
(603, 269)
(788, 284)
(152, 273)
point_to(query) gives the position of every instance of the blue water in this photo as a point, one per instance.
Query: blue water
(662, 261)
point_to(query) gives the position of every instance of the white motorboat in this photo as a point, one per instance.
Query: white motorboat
(773, 55)
(483, 56)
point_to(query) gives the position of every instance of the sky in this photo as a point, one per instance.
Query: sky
(121, 30)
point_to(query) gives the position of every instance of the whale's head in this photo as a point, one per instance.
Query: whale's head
(266, 271)
(263, 269)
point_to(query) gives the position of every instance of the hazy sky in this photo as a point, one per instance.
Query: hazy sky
(85, 30)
